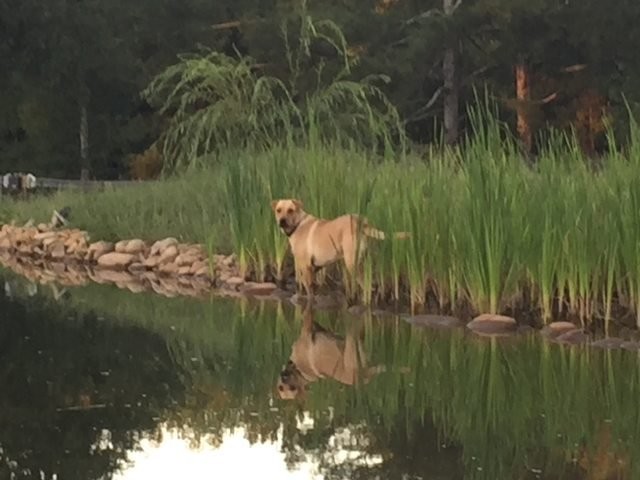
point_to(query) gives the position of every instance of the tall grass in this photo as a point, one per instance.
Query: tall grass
(485, 226)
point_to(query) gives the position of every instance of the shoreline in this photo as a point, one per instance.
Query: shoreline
(68, 258)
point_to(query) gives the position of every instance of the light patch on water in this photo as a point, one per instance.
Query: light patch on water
(175, 455)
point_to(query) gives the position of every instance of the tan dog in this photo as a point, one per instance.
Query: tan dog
(316, 243)
(318, 353)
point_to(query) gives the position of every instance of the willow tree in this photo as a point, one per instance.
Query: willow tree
(214, 101)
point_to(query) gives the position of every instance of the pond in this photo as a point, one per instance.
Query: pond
(99, 383)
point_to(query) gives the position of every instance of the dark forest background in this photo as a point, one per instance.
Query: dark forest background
(72, 71)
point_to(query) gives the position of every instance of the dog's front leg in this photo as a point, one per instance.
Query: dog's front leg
(307, 280)
(304, 277)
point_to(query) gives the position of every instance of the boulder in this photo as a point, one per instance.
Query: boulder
(161, 245)
(185, 270)
(98, 249)
(135, 246)
(121, 246)
(197, 265)
(186, 259)
(57, 250)
(115, 260)
(492, 325)
(112, 276)
(257, 289)
(234, 282)
(168, 255)
(433, 321)
(203, 271)
(168, 268)
(151, 262)
(44, 235)
(555, 329)
(608, 343)
(137, 267)
(572, 337)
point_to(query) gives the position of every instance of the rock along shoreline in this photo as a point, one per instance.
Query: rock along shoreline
(45, 254)
(66, 257)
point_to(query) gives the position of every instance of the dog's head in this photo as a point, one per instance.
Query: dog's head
(288, 214)
(291, 383)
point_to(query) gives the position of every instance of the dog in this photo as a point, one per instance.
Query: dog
(319, 353)
(316, 243)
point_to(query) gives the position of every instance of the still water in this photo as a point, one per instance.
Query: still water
(98, 383)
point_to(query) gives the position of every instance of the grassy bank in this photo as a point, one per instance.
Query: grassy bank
(487, 227)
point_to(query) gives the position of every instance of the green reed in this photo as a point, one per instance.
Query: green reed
(485, 225)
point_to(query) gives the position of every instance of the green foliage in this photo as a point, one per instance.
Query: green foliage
(216, 102)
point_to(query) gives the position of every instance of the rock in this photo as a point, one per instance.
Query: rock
(121, 246)
(161, 245)
(57, 250)
(112, 276)
(168, 255)
(42, 227)
(555, 329)
(234, 282)
(136, 267)
(608, 343)
(229, 261)
(151, 262)
(135, 287)
(98, 249)
(572, 337)
(433, 321)
(258, 289)
(135, 246)
(168, 268)
(197, 265)
(49, 241)
(5, 243)
(630, 345)
(186, 259)
(185, 270)
(115, 260)
(202, 271)
(44, 235)
(489, 324)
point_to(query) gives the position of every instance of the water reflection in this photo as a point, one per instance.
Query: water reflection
(182, 452)
(318, 353)
(196, 378)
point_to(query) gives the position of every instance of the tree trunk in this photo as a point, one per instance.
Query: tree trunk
(450, 85)
(523, 97)
(84, 140)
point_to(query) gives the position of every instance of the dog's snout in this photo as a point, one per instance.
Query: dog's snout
(283, 222)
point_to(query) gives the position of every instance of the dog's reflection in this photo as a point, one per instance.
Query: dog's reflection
(319, 353)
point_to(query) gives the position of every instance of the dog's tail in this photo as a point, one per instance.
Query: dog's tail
(372, 232)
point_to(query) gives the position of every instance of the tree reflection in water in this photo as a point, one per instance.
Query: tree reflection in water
(100, 362)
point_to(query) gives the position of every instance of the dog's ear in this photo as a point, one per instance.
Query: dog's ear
(298, 204)
(273, 204)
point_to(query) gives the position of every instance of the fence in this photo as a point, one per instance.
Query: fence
(19, 185)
